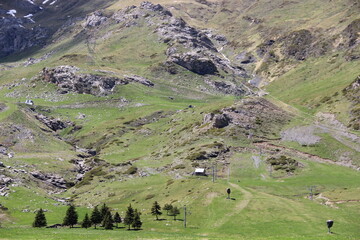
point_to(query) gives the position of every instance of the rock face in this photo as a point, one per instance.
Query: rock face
(15, 37)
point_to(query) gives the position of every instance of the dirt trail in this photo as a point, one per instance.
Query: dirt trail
(247, 196)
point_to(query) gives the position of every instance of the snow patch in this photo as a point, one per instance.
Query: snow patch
(11, 12)
(45, 2)
(29, 16)
(30, 1)
(53, 2)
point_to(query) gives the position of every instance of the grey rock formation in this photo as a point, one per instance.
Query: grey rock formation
(195, 63)
(68, 79)
(95, 19)
(221, 121)
(53, 124)
(138, 79)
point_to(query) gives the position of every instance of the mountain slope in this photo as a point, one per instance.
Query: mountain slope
(129, 100)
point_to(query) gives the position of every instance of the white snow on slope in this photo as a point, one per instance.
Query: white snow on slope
(29, 16)
(30, 1)
(11, 12)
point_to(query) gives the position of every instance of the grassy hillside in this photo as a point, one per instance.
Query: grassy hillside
(139, 144)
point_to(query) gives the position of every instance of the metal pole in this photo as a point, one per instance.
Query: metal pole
(184, 216)
(213, 174)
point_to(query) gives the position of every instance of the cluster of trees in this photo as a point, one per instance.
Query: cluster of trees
(170, 210)
(102, 217)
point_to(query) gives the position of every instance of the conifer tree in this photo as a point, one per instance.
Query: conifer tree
(40, 219)
(155, 210)
(174, 212)
(129, 216)
(86, 222)
(167, 208)
(137, 221)
(95, 216)
(108, 222)
(103, 211)
(71, 217)
(117, 219)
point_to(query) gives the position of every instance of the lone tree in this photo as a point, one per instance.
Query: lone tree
(129, 216)
(103, 211)
(174, 212)
(167, 208)
(117, 219)
(40, 219)
(155, 210)
(71, 217)
(95, 216)
(86, 222)
(108, 221)
(137, 221)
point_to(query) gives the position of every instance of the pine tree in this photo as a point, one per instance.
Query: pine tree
(86, 222)
(155, 210)
(108, 221)
(103, 211)
(117, 219)
(129, 217)
(174, 212)
(96, 216)
(137, 221)
(40, 219)
(168, 208)
(71, 217)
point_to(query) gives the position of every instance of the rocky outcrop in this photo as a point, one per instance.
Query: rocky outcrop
(195, 63)
(51, 179)
(52, 123)
(5, 181)
(297, 44)
(95, 19)
(69, 79)
(351, 33)
(227, 87)
(138, 79)
(217, 120)
(255, 114)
